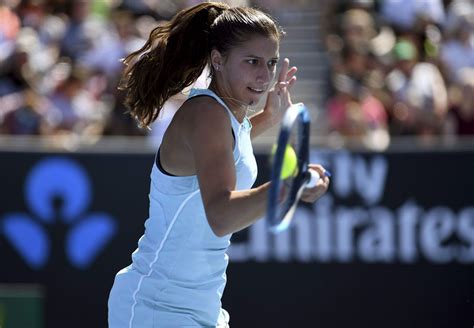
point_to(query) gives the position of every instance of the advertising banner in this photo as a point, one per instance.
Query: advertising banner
(391, 244)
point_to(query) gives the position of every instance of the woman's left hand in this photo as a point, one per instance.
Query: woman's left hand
(278, 97)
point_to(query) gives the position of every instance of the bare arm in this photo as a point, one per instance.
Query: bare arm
(261, 122)
(227, 209)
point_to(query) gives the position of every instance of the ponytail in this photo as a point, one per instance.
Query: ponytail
(172, 59)
(177, 52)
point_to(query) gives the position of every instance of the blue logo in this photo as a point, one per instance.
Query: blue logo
(57, 193)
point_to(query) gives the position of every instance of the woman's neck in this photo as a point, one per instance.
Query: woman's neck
(238, 109)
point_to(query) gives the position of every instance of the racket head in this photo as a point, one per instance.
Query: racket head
(284, 194)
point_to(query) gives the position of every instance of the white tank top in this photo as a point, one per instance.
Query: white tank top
(180, 261)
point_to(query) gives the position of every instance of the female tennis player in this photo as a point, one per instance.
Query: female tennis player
(204, 169)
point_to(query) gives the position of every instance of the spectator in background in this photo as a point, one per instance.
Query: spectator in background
(117, 38)
(418, 92)
(19, 114)
(457, 50)
(119, 122)
(457, 62)
(77, 40)
(9, 28)
(419, 21)
(358, 29)
(354, 112)
(404, 15)
(355, 28)
(73, 108)
(62, 102)
(462, 104)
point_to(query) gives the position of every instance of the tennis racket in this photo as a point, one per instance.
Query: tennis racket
(285, 191)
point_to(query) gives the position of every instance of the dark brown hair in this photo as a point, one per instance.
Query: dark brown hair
(176, 53)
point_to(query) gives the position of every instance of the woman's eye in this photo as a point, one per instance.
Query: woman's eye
(272, 63)
(252, 61)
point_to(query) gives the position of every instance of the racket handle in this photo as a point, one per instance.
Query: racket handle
(313, 179)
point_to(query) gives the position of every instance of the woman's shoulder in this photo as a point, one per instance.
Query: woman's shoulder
(203, 121)
(203, 109)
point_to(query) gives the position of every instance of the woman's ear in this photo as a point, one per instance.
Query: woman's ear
(216, 59)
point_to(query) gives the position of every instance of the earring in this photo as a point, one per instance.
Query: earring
(216, 67)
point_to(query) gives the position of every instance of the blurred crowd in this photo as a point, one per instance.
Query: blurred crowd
(399, 67)
(60, 63)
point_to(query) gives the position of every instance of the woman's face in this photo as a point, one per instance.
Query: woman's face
(246, 72)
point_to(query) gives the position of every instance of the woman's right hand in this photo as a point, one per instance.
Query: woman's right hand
(310, 195)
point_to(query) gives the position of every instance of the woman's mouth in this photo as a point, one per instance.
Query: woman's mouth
(256, 90)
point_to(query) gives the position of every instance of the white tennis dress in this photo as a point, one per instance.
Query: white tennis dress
(177, 275)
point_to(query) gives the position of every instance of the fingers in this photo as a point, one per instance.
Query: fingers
(286, 79)
(291, 82)
(279, 97)
(312, 194)
(284, 70)
(320, 169)
(290, 76)
(287, 74)
(283, 93)
(281, 87)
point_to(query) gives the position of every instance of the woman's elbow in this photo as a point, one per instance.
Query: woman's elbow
(216, 216)
(218, 228)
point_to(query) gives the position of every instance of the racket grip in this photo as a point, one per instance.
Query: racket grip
(313, 179)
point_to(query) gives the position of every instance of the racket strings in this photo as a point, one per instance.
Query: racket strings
(290, 188)
(287, 188)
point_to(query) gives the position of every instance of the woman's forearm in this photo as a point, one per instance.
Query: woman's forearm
(260, 123)
(235, 210)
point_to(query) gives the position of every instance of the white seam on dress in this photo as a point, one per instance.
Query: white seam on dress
(134, 297)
